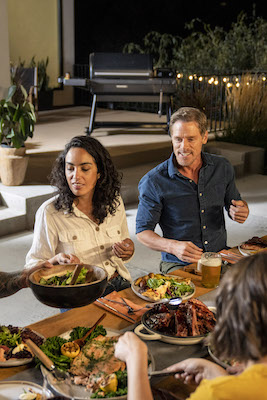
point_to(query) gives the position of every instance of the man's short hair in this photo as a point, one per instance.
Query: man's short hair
(190, 114)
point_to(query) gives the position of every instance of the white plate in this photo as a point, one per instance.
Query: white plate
(245, 252)
(10, 390)
(16, 362)
(76, 391)
(136, 290)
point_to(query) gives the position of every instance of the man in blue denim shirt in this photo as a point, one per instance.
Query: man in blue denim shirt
(186, 195)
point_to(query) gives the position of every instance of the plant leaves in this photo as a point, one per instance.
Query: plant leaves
(11, 91)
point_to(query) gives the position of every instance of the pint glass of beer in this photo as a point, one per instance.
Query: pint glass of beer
(211, 269)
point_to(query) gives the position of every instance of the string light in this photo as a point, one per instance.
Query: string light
(264, 78)
(237, 84)
(190, 77)
(247, 83)
(179, 76)
(216, 82)
(229, 84)
(200, 78)
(236, 79)
(224, 79)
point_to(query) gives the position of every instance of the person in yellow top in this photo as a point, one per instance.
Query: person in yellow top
(240, 333)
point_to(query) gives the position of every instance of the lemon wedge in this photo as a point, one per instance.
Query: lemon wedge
(70, 349)
(110, 384)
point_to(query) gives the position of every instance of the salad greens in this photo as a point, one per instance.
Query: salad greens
(79, 332)
(65, 279)
(174, 290)
(52, 348)
(8, 339)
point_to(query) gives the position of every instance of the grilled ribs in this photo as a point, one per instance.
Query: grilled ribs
(192, 318)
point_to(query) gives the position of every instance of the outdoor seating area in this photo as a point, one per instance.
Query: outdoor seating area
(133, 201)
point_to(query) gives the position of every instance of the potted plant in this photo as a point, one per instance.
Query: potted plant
(45, 93)
(17, 120)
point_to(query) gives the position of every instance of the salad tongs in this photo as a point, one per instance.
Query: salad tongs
(57, 373)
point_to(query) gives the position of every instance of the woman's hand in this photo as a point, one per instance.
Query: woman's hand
(130, 348)
(123, 249)
(193, 370)
(62, 258)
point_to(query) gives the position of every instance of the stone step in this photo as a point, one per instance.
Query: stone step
(11, 221)
(19, 205)
(245, 159)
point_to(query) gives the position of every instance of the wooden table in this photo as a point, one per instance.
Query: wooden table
(86, 316)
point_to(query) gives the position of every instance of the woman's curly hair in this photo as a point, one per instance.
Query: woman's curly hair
(241, 329)
(107, 189)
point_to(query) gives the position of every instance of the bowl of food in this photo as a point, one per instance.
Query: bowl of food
(52, 286)
(189, 324)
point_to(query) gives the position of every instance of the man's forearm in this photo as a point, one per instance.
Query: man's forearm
(10, 283)
(155, 242)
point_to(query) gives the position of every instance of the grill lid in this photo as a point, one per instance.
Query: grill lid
(119, 65)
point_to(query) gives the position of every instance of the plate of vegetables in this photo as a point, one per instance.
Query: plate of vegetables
(13, 350)
(155, 287)
(95, 372)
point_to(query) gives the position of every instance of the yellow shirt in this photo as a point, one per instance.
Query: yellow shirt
(249, 385)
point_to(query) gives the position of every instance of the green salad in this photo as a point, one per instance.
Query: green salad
(175, 288)
(65, 279)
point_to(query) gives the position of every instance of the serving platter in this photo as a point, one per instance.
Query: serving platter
(137, 290)
(79, 392)
(10, 390)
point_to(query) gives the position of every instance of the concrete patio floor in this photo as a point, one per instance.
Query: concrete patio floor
(56, 128)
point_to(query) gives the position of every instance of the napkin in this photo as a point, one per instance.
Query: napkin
(114, 296)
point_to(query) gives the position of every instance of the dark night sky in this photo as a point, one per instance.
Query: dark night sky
(106, 25)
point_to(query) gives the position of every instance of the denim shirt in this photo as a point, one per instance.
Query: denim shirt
(185, 210)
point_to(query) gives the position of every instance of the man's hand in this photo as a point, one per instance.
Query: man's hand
(24, 280)
(185, 251)
(193, 370)
(123, 249)
(239, 211)
(62, 258)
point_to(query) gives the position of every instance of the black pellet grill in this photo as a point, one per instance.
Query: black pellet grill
(116, 77)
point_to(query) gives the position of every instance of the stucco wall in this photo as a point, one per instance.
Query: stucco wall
(33, 31)
(4, 50)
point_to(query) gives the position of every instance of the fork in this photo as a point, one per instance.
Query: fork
(130, 309)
